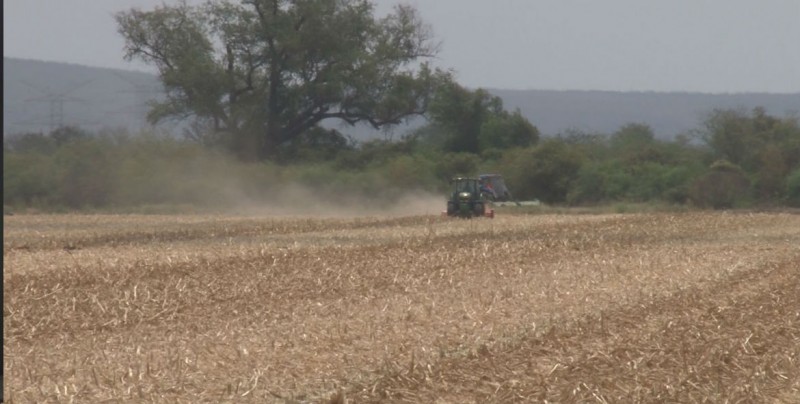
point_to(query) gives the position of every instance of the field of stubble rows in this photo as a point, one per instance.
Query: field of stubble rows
(690, 307)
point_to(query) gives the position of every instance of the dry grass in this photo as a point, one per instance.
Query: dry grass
(676, 307)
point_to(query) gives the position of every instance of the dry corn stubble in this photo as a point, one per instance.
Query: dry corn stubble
(564, 308)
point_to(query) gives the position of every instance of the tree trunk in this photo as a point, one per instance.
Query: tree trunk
(272, 137)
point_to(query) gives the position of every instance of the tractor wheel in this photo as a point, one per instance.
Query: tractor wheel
(452, 209)
(478, 209)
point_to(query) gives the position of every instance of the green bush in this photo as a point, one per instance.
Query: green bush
(637, 180)
(724, 186)
(793, 188)
(677, 180)
(410, 172)
(456, 164)
(30, 143)
(545, 172)
(86, 173)
(373, 152)
(589, 186)
(28, 179)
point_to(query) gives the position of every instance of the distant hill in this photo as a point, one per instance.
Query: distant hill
(669, 114)
(39, 95)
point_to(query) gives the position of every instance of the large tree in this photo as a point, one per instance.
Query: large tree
(263, 72)
(767, 148)
(475, 121)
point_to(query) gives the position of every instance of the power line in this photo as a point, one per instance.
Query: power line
(144, 93)
(55, 101)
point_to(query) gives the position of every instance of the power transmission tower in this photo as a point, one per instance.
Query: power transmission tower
(55, 101)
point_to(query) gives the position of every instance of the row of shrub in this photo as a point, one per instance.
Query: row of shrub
(73, 169)
(128, 171)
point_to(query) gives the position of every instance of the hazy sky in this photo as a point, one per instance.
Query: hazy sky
(643, 45)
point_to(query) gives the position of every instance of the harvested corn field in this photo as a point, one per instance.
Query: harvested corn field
(690, 307)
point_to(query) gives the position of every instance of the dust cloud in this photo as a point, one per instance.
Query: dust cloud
(272, 195)
(299, 200)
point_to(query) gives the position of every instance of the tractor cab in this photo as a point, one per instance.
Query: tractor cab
(469, 185)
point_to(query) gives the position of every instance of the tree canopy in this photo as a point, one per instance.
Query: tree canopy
(260, 73)
(765, 146)
(474, 121)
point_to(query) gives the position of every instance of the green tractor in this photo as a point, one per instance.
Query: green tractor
(466, 200)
